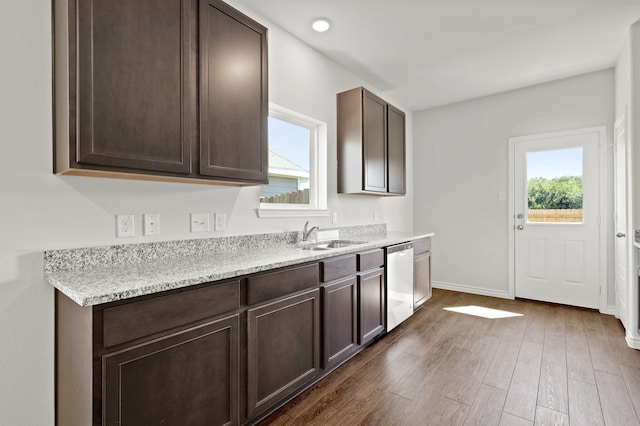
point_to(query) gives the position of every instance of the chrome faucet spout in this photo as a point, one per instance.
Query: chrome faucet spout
(306, 232)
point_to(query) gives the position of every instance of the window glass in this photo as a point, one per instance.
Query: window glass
(554, 180)
(289, 163)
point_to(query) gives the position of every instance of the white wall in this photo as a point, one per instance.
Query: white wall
(461, 164)
(40, 211)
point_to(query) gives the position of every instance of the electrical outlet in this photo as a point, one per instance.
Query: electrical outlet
(334, 218)
(124, 225)
(151, 223)
(199, 222)
(220, 221)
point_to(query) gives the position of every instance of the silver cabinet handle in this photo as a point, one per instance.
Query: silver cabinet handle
(520, 227)
(621, 235)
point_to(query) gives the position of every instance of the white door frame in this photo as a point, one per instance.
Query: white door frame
(603, 213)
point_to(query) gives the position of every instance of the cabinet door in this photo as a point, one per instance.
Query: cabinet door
(136, 82)
(283, 349)
(190, 377)
(396, 150)
(340, 320)
(374, 144)
(421, 278)
(371, 305)
(233, 94)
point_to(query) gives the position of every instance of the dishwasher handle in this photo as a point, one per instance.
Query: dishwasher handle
(399, 247)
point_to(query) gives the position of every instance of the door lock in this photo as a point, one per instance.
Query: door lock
(520, 216)
(520, 227)
(621, 235)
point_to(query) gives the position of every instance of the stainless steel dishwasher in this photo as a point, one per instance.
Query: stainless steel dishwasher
(399, 284)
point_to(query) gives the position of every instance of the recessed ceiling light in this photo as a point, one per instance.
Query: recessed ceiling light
(320, 24)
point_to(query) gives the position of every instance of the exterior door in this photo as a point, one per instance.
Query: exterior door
(620, 193)
(556, 207)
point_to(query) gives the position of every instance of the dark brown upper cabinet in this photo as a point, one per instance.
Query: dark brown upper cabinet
(233, 94)
(371, 145)
(396, 165)
(153, 89)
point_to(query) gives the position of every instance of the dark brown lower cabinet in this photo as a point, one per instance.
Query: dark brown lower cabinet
(221, 353)
(169, 380)
(421, 278)
(421, 271)
(283, 349)
(340, 321)
(371, 305)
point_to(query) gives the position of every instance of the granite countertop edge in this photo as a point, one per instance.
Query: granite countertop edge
(100, 285)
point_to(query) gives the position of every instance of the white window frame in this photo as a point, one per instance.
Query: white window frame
(317, 163)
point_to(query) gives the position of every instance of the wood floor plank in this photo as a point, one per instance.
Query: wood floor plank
(511, 420)
(617, 407)
(602, 355)
(523, 391)
(547, 417)
(631, 378)
(405, 376)
(388, 412)
(552, 389)
(460, 387)
(623, 353)
(487, 408)
(584, 404)
(579, 365)
(536, 323)
(501, 369)
(555, 323)
(435, 410)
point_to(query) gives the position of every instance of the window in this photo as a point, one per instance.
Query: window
(297, 166)
(555, 186)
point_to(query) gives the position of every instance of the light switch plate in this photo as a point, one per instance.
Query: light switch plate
(220, 221)
(199, 222)
(151, 224)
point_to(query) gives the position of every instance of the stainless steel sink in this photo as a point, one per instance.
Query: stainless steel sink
(332, 244)
(342, 243)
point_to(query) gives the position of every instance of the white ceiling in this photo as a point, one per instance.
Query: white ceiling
(426, 53)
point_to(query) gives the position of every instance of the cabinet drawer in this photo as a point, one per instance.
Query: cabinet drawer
(422, 245)
(131, 321)
(338, 267)
(370, 259)
(269, 286)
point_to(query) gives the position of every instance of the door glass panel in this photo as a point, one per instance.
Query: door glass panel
(554, 182)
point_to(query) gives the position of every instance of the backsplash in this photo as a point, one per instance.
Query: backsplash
(93, 257)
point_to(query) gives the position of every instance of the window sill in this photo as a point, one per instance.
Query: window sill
(291, 212)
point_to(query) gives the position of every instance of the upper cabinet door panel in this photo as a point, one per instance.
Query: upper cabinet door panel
(371, 144)
(234, 96)
(374, 143)
(135, 68)
(396, 148)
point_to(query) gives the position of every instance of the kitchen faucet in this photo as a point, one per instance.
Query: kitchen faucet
(306, 233)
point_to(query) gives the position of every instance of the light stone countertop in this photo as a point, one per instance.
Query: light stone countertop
(102, 284)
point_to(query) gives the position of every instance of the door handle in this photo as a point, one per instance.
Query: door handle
(621, 235)
(520, 227)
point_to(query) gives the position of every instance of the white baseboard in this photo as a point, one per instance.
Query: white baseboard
(633, 342)
(471, 289)
(610, 310)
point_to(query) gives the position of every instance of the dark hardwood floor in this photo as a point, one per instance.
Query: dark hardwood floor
(553, 365)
